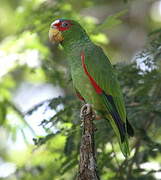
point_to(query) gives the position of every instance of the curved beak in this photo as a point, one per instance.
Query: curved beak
(55, 35)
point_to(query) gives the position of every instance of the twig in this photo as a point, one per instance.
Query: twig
(87, 163)
(138, 145)
(117, 161)
(21, 115)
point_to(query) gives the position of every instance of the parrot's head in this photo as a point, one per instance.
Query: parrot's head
(62, 30)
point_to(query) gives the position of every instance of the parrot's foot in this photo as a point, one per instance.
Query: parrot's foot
(86, 109)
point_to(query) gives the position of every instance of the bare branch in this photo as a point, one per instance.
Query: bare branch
(87, 163)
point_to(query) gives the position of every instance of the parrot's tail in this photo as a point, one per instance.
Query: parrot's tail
(130, 129)
(121, 128)
(125, 144)
(110, 105)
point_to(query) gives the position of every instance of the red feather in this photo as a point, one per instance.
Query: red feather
(79, 96)
(59, 25)
(93, 82)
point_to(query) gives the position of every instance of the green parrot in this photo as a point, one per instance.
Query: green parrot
(93, 77)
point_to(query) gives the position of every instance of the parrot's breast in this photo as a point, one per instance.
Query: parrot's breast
(82, 83)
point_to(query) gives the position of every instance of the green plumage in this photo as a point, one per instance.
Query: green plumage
(110, 102)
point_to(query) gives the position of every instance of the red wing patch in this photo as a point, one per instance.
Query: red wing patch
(79, 95)
(93, 82)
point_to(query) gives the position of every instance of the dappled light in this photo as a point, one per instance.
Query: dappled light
(40, 123)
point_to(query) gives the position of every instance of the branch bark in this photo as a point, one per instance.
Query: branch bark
(87, 162)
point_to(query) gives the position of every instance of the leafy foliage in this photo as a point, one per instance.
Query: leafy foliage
(31, 60)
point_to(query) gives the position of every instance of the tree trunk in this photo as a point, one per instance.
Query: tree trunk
(87, 162)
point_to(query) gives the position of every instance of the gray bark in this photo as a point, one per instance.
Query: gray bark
(87, 162)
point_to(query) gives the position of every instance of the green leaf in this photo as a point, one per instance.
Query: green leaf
(111, 21)
(3, 112)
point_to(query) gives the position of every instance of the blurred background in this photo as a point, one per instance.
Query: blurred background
(39, 113)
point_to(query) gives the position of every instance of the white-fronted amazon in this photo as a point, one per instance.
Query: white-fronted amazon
(93, 76)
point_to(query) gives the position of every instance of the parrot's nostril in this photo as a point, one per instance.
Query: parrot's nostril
(53, 26)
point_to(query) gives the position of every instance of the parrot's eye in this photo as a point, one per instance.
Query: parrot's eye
(65, 24)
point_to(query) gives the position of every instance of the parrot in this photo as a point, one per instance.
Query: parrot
(93, 77)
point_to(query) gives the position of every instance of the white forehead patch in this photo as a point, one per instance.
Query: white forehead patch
(55, 22)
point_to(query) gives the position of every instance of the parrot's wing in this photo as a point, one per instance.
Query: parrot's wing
(100, 68)
(101, 74)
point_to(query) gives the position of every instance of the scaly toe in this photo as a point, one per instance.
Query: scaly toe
(85, 109)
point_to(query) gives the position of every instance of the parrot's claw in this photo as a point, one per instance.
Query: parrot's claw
(93, 115)
(85, 109)
(81, 124)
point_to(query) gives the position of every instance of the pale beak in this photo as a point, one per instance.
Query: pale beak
(55, 35)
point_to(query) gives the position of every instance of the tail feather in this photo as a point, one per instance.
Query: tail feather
(114, 113)
(125, 147)
(117, 124)
(130, 129)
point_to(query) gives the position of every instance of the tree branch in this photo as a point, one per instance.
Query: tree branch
(87, 163)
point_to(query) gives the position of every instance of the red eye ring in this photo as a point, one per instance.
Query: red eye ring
(62, 25)
(65, 24)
